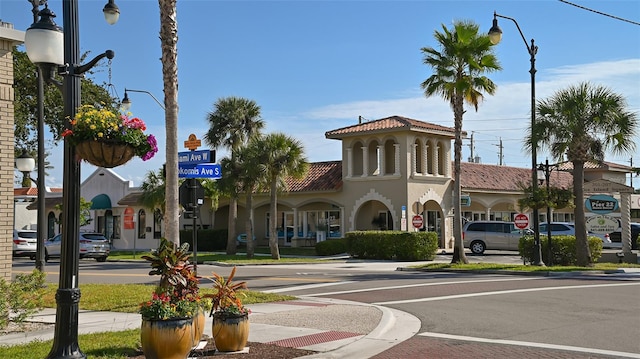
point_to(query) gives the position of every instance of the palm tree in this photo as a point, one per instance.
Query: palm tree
(458, 69)
(232, 124)
(153, 192)
(282, 157)
(252, 177)
(169, 47)
(581, 122)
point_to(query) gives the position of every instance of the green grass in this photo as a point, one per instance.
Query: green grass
(523, 268)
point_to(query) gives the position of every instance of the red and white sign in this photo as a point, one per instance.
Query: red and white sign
(417, 221)
(521, 221)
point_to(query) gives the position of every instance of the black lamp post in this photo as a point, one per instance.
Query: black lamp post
(45, 42)
(495, 35)
(126, 103)
(545, 169)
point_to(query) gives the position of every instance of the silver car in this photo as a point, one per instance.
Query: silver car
(24, 243)
(92, 245)
(481, 235)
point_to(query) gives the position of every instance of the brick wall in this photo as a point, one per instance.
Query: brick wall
(8, 38)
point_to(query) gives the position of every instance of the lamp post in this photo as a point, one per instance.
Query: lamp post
(495, 35)
(26, 163)
(545, 169)
(46, 43)
(126, 103)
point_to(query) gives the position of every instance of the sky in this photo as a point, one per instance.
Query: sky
(316, 66)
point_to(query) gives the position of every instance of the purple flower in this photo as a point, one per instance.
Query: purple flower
(151, 140)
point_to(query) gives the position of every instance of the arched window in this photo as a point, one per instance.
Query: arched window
(430, 164)
(418, 156)
(373, 158)
(357, 158)
(142, 223)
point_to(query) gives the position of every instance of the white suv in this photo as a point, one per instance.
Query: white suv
(569, 229)
(25, 243)
(482, 235)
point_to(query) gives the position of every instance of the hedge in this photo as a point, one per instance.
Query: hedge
(392, 245)
(564, 249)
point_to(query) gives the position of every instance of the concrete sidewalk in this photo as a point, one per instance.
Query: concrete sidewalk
(333, 328)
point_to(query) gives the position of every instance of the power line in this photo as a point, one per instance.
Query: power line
(600, 13)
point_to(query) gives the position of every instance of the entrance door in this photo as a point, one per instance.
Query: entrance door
(434, 224)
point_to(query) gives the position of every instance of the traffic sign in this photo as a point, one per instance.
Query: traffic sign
(521, 221)
(200, 170)
(417, 221)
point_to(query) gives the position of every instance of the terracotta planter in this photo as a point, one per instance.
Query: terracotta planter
(230, 333)
(167, 339)
(104, 154)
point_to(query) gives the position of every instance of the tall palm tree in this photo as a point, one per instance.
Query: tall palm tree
(232, 123)
(282, 157)
(153, 192)
(581, 122)
(459, 65)
(169, 47)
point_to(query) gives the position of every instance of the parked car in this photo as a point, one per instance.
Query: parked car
(616, 237)
(25, 243)
(482, 235)
(569, 229)
(92, 245)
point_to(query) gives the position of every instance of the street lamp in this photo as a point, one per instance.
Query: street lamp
(126, 103)
(47, 43)
(25, 164)
(495, 35)
(545, 170)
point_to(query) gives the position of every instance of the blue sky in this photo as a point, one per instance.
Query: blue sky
(314, 66)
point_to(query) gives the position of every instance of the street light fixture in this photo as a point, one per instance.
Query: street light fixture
(45, 45)
(126, 103)
(495, 35)
(25, 163)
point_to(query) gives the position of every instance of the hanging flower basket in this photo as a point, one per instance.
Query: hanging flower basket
(104, 153)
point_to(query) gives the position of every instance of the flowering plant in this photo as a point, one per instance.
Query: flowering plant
(101, 124)
(178, 294)
(226, 302)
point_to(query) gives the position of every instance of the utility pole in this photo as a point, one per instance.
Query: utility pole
(472, 146)
(500, 155)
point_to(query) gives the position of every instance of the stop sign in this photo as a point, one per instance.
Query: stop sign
(417, 221)
(521, 221)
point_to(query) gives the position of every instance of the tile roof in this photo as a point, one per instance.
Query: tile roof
(322, 176)
(32, 191)
(604, 165)
(503, 178)
(392, 123)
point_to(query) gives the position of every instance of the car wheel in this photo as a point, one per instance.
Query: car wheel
(477, 247)
(32, 257)
(101, 259)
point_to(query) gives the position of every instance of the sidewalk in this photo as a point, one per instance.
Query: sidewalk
(333, 328)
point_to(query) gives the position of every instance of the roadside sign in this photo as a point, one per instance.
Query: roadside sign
(417, 221)
(521, 221)
(200, 170)
(193, 157)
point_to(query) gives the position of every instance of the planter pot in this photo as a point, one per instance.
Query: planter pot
(230, 333)
(198, 326)
(167, 339)
(104, 154)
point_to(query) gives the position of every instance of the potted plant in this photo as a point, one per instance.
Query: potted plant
(230, 329)
(173, 319)
(106, 139)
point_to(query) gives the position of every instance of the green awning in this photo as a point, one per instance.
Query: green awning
(101, 201)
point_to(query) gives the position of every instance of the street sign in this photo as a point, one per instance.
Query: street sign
(200, 170)
(195, 157)
(186, 195)
(417, 221)
(521, 221)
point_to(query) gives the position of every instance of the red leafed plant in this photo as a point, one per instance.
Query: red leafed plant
(225, 300)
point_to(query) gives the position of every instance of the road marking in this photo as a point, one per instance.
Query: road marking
(100, 274)
(512, 291)
(304, 287)
(421, 285)
(532, 344)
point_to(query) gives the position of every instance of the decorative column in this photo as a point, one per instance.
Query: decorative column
(625, 213)
(396, 147)
(365, 162)
(436, 160)
(349, 162)
(414, 159)
(381, 163)
(425, 162)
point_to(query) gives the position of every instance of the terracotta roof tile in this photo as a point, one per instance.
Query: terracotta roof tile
(322, 176)
(391, 123)
(604, 165)
(33, 191)
(503, 178)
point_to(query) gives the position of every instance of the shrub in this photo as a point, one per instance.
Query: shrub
(209, 240)
(22, 297)
(564, 249)
(331, 247)
(392, 245)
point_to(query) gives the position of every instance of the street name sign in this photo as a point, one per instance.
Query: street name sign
(200, 170)
(194, 157)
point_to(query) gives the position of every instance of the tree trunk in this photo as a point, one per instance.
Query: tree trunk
(231, 233)
(249, 225)
(168, 43)
(583, 255)
(273, 220)
(458, 248)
